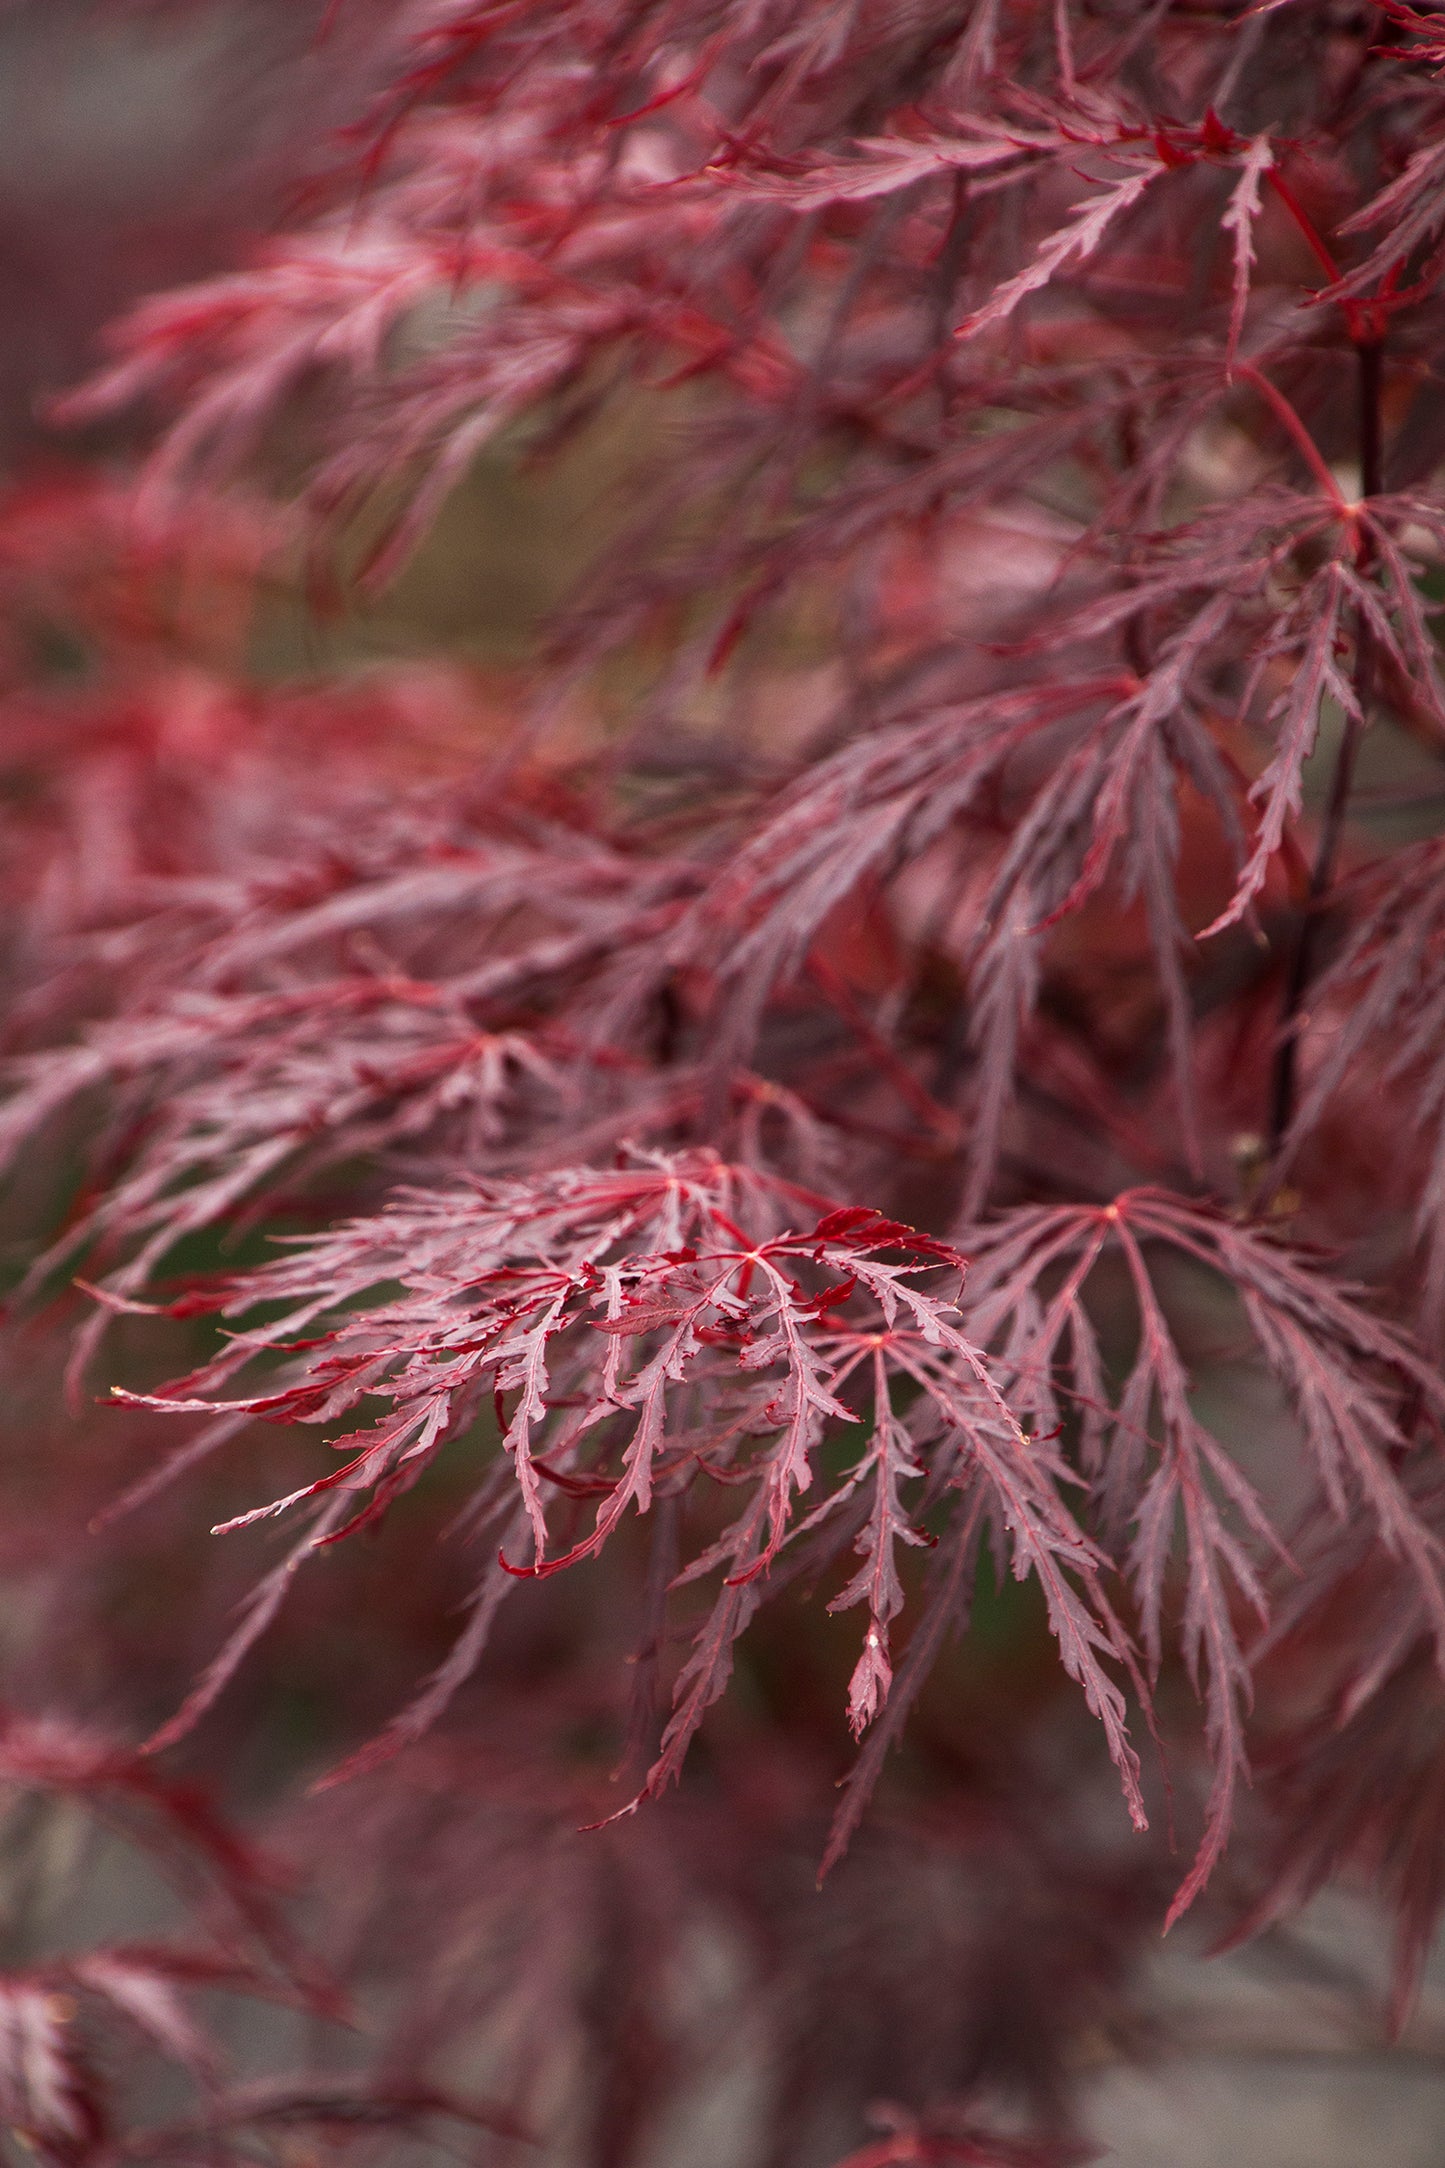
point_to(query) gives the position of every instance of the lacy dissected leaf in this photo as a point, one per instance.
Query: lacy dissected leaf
(1165, 1487)
(881, 165)
(636, 1329)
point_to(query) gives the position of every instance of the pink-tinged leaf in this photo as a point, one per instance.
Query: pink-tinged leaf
(878, 166)
(1240, 220)
(1073, 243)
(1165, 1488)
(501, 1289)
(945, 1611)
(889, 1462)
(1295, 716)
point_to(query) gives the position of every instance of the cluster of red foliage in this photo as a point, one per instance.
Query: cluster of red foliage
(982, 968)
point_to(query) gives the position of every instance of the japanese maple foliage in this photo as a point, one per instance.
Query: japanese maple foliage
(857, 1073)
